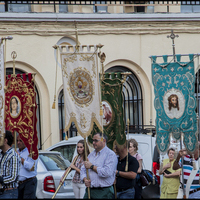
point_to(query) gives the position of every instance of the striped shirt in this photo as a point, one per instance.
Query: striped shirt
(106, 162)
(9, 168)
(187, 169)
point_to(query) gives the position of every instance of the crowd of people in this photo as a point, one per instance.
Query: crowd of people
(17, 170)
(102, 173)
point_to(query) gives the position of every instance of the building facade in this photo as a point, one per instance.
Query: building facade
(130, 32)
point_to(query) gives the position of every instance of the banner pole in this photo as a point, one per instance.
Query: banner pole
(197, 97)
(5, 88)
(85, 144)
(102, 57)
(184, 195)
(198, 106)
(65, 176)
(14, 56)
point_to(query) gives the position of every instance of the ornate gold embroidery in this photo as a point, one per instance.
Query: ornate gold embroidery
(72, 114)
(84, 57)
(70, 59)
(1, 102)
(88, 58)
(25, 122)
(83, 121)
(81, 86)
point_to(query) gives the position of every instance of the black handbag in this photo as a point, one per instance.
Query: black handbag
(143, 179)
(152, 191)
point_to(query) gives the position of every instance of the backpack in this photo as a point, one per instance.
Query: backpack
(149, 175)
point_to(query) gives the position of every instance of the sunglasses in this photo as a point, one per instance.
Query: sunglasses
(95, 140)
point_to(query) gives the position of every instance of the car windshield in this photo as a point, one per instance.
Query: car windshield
(67, 151)
(53, 162)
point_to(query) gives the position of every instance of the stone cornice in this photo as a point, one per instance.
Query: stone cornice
(97, 17)
(45, 27)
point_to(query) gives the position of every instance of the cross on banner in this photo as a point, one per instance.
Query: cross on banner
(172, 36)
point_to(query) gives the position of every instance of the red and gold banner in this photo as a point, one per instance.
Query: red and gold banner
(20, 110)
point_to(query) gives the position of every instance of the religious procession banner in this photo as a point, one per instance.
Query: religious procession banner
(20, 110)
(175, 104)
(113, 111)
(2, 93)
(81, 88)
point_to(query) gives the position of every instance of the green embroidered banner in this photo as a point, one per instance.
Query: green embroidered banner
(175, 102)
(113, 111)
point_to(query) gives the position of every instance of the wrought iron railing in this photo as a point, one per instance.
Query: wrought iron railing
(138, 5)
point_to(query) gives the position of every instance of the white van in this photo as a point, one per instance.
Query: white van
(146, 145)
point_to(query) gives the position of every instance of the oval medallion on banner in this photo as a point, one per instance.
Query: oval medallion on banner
(107, 113)
(81, 86)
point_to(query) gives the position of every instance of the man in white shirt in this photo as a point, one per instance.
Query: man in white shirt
(27, 174)
(101, 166)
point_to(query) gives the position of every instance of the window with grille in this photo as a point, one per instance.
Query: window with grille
(133, 105)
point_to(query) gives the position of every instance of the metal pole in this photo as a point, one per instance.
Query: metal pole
(197, 96)
(87, 169)
(184, 195)
(172, 36)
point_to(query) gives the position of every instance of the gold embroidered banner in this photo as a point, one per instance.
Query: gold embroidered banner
(20, 110)
(2, 84)
(113, 110)
(81, 89)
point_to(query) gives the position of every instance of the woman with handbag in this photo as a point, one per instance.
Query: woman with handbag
(133, 148)
(171, 178)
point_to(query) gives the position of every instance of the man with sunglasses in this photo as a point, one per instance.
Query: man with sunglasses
(101, 165)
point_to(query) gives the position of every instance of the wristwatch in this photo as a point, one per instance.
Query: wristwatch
(91, 166)
(117, 174)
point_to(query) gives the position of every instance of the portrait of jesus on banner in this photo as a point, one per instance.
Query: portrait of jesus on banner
(175, 102)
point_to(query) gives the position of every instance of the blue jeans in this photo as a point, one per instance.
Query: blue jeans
(27, 190)
(9, 194)
(127, 194)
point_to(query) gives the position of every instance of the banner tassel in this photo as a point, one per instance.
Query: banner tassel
(126, 167)
(66, 138)
(154, 181)
(176, 152)
(54, 102)
(193, 162)
(54, 106)
(161, 165)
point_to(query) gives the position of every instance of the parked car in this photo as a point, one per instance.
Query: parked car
(51, 167)
(67, 147)
(146, 145)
